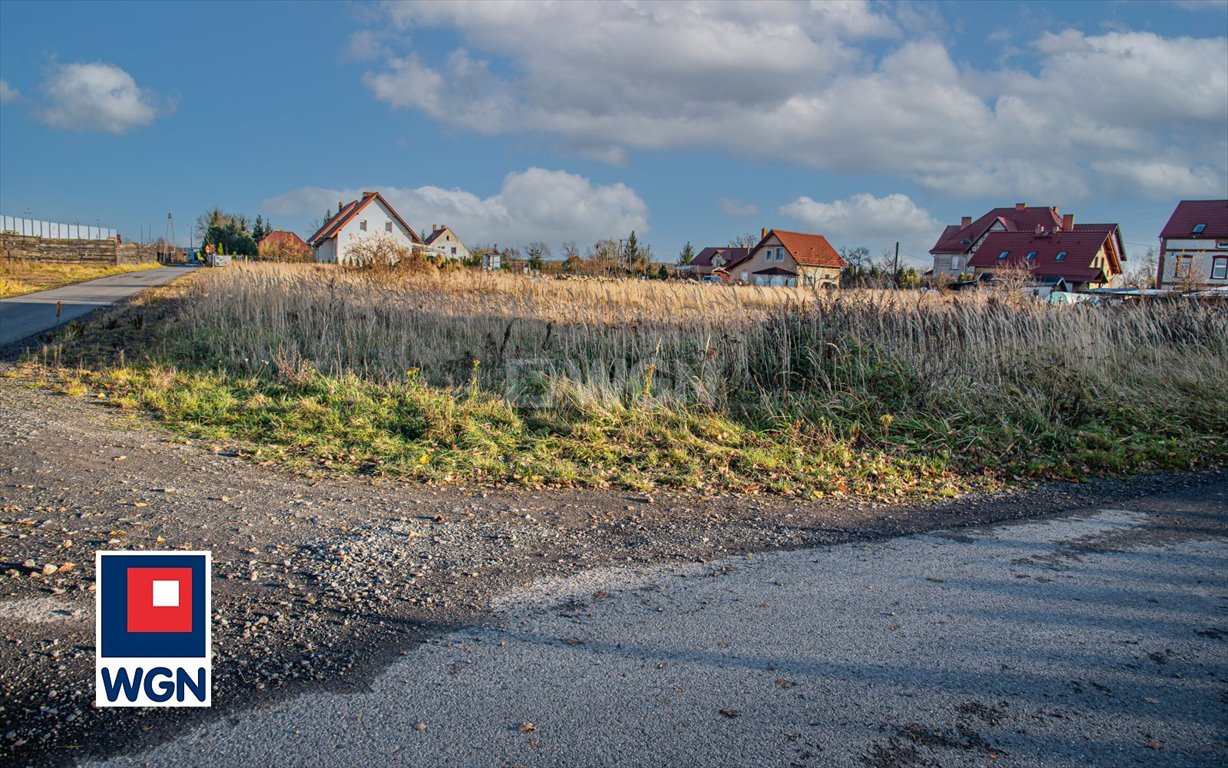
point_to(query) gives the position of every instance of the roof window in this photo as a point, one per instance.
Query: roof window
(1031, 256)
(1199, 228)
(1004, 254)
(1061, 256)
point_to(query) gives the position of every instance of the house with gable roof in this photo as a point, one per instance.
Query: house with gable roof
(958, 242)
(790, 258)
(368, 216)
(717, 261)
(1086, 256)
(1194, 246)
(445, 242)
(1047, 243)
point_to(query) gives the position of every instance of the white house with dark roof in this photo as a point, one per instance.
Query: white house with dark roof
(369, 216)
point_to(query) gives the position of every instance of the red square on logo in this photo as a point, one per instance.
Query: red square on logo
(159, 599)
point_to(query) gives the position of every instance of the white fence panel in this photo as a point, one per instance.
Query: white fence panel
(52, 229)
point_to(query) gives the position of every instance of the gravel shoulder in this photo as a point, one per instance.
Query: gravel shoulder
(320, 584)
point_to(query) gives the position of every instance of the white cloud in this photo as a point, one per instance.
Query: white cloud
(732, 207)
(864, 219)
(8, 93)
(95, 97)
(796, 83)
(1161, 179)
(535, 204)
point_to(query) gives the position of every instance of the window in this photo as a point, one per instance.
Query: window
(954, 263)
(1031, 256)
(363, 225)
(1199, 228)
(1061, 256)
(387, 226)
(1002, 256)
(744, 275)
(454, 250)
(1219, 268)
(1183, 265)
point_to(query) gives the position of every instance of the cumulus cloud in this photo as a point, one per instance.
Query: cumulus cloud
(8, 93)
(95, 97)
(535, 204)
(864, 219)
(797, 83)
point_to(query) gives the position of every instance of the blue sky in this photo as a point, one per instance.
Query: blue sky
(867, 122)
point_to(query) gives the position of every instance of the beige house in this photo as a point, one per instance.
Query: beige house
(444, 241)
(790, 258)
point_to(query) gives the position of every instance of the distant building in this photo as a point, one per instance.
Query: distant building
(1085, 257)
(1194, 246)
(444, 241)
(791, 258)
(282, 244)
(369, 216)
(959, 242)
(717, 261)
(1050, 245)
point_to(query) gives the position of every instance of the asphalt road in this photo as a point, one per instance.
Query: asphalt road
(1097, 638)
(23, 316)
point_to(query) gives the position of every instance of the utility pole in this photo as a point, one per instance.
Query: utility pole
(895, 273)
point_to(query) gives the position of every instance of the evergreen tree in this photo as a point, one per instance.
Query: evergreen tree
(686, 256)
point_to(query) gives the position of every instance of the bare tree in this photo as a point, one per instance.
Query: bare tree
(748, 240)
(1143, 274)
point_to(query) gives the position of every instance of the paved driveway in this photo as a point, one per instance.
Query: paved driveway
(1095, 639)
(23, 316)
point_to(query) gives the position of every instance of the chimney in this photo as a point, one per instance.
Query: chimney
(1068, 222)
(1021, 206)
(340, 205)
(763, 233)
(965, 221)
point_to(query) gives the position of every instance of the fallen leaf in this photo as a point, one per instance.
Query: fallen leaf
(526, 727)
(731, 713)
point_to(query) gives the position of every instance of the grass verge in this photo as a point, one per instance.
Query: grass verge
(20, 276)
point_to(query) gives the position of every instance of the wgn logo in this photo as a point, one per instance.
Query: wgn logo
(153, 629)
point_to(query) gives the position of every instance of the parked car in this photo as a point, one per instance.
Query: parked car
(713, 279)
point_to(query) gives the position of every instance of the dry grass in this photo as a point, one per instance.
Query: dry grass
(22, 276)
(647, 382)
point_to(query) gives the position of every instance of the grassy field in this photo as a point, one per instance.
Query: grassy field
(495, 378)
(19, 276)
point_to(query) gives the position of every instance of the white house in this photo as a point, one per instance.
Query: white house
(444, 241)
(369, 216)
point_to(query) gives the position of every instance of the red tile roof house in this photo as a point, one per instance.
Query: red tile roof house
(958, 242)
(1048, 244)
(282, 242)
(369, 216)
(717, 261)
(1194, 246)
(1087, 256)
(791, 258)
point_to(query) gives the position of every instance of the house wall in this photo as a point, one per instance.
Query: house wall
(1202, 255)
(326, 253)
(759, 260)
(818, 276)
(450, 246)
(377, 219)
